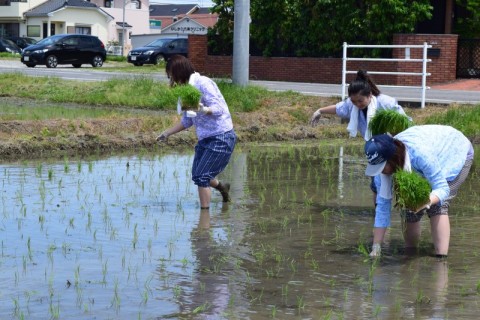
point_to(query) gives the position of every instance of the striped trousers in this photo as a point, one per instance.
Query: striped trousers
(212, 155)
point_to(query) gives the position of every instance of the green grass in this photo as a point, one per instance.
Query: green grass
(464, 118)
(24, 112)
(9, 56)
(139, 92)
(116, 58)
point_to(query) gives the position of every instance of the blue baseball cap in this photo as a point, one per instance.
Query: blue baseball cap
(378, 150)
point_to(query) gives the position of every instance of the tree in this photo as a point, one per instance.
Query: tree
(221, 35)
(319, 27)
(469, 26)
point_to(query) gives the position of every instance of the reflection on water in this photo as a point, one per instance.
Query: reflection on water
(124, 238)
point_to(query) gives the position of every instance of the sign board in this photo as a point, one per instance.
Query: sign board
(186, 26)
(155, 24)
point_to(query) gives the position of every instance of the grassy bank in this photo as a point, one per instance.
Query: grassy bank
(50, 115)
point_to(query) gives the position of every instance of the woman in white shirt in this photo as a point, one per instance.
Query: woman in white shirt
(440, 154)
(364, 100)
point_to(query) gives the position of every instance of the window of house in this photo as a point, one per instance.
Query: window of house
(83, 30)
(33, 31)
(108, 3)
(138, 4)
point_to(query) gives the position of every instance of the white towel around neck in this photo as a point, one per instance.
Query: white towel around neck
(386, 180)
(353, 123)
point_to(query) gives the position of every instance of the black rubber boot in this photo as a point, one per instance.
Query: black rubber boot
(224, 188)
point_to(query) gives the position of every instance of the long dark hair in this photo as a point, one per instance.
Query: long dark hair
(179, 69)
(363, 84)
(397, 161)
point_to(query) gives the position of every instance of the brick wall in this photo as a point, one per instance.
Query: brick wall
(443, 68)
(329, 70)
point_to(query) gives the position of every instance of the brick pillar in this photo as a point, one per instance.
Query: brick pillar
(443, 67)
(197, 51)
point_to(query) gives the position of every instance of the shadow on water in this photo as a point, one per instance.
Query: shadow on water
(100, 239)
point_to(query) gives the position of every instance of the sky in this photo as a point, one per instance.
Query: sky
(202, 3)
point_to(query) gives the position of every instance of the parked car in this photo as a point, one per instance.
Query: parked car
(158, 51)
(74, 49)
(8, 46)
(22, 42)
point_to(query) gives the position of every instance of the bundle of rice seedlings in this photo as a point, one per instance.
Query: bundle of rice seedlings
(411, 191)
(189, 96)
(388, 121)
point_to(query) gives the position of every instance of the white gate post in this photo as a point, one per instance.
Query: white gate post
(344, 70)
(424, 73)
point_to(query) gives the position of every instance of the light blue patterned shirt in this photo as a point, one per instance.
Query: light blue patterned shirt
(438, 153)
(220, 121)
(384, 102)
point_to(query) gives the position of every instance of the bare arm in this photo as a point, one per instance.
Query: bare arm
(318, 114)
(332, 109)
(172, 130)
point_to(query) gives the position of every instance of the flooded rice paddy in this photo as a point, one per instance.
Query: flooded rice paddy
(123, 237)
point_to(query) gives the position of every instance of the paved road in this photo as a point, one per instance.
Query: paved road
(87, 73)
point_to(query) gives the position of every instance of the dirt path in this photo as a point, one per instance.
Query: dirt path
(138, 129)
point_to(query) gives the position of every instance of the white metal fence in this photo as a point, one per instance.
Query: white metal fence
(114, 50)
(407, 59)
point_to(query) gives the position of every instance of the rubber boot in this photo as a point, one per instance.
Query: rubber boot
(224, 188)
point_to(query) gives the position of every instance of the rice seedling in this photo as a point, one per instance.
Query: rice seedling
(388, 121)
(411, 191)
(274, 312)
(421, 298)
(189, 96)
(201, 308)
(177, 291)
(300, 303)
(116, 296)
(376, 311)
(104, 272)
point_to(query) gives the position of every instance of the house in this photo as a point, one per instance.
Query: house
(169, 14)
(66, 16)
(113, 21)
(174, 20)
(12, 21)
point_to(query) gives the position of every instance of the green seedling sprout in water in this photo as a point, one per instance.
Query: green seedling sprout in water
(189, 96)
(411, 191)
(388, 121)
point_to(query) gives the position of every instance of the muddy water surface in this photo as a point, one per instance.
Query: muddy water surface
(123, 237)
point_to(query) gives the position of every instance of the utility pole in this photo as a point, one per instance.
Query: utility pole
(241, 42)
(123, 28)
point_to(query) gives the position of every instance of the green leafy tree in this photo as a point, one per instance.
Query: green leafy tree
(221, 35)
(469, 26)
(319, 27)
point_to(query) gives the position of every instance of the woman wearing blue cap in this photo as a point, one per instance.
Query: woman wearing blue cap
(442, 155)
(364, 100)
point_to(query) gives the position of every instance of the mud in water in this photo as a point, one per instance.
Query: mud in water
(123, 237)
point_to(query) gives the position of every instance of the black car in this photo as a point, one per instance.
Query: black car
(158, 50)
(22, 42)
(8, 46)
(74, 49)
